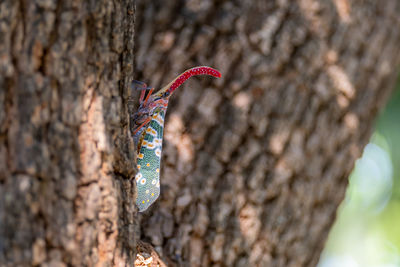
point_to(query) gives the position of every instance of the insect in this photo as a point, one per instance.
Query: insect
(147, 131)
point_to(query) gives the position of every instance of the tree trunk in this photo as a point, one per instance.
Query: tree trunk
(254, 164)
(65, 161)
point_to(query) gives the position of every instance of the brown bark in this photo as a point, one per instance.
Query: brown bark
(66, 196)
(255, 164)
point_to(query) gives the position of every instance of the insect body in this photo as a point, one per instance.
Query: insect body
(148, 126)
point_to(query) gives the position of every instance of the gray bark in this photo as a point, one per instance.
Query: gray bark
(256, 164)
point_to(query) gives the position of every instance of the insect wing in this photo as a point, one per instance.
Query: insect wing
(149, 162)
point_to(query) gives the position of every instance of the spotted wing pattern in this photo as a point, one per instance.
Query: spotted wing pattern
(149, 162)
(147, 131)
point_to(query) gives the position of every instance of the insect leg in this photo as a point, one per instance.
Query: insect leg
(142, 94)
(147, 97)
(138, 85)
(141, 125)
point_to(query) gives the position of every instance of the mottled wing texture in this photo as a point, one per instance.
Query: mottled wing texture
(149, 162)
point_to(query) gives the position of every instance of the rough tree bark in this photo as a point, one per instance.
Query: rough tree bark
(65, 161)
(255, 164)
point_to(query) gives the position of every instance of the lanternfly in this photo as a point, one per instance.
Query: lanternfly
(148, 133)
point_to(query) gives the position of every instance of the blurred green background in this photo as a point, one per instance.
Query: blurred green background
(367, 230)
